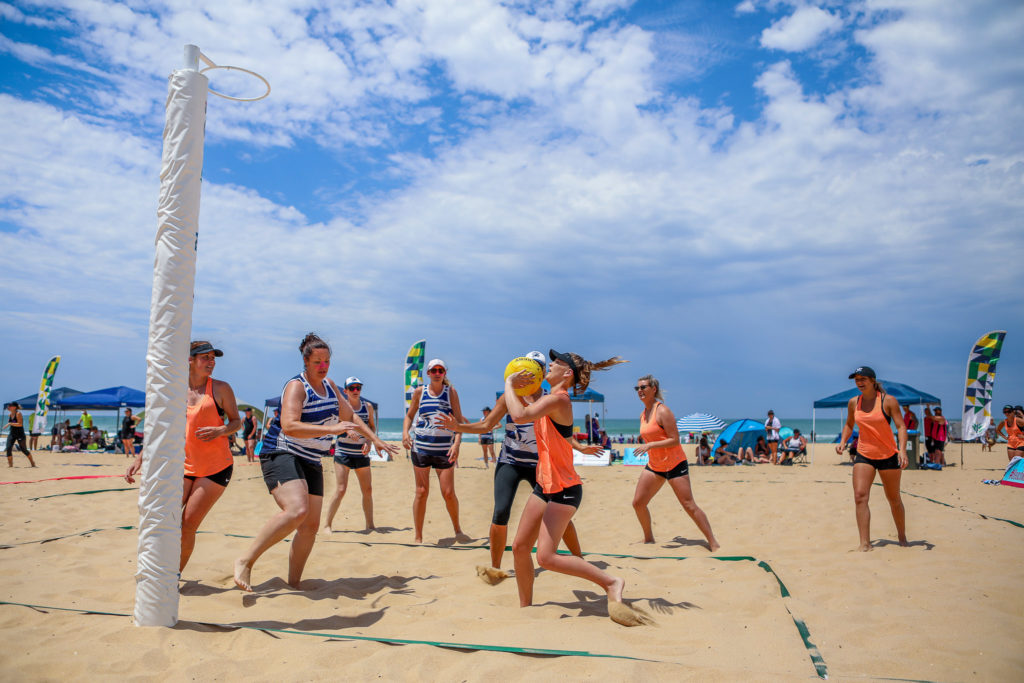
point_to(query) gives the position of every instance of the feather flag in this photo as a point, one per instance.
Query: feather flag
(43, 397)
(981, 377)
(414, 369)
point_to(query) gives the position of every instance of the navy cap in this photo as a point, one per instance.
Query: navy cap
(863, 371)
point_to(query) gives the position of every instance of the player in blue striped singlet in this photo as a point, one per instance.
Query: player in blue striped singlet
(351, 452)
(434, 446)
(311, 416)
(517, 462)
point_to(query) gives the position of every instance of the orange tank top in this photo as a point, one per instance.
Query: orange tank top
(203, 458)
(876, 441)
(659, 459)
(1014, 434)
(554, 457)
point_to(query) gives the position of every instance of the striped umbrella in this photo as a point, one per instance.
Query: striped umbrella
(699, 422)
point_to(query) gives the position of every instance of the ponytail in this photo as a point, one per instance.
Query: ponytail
(584, 368)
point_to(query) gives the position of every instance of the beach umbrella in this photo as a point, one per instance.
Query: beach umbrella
(699, 422)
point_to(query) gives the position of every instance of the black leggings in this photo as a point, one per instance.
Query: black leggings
(506, 482)
(20, 438)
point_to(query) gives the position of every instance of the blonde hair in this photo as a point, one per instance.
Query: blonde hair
(654, 383)
(584, 368)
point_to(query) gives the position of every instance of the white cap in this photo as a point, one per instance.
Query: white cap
(352, 380)
(539, 357)
(436, 362)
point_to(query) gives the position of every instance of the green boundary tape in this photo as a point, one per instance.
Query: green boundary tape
(801, 626)
(82, 493)
(376, 639)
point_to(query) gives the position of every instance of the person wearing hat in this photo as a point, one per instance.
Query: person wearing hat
(874, 412)
(128, 432)
(208, 460)
(249, 428)
(516, 463)
(771, 429)
(351, 452)
(434, 447)
(559, 490)
(1012, 427)
(487, 441)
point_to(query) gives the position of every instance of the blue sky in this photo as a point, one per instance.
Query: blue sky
(746, 200)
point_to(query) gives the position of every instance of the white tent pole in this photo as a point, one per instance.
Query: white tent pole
(814, 431)
(170, 326)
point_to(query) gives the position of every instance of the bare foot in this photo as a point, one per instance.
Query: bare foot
(864, 548)
(713, 545)
(614, 591)
(623, 614)
(242, 575)
(418, 539)
(296, 585)
(904, 543)
(327, 530)
(649, 540)
(370, 527)
(492, 576)
(462, 538)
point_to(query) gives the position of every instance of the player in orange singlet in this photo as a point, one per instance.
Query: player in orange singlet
(559, 490)
(208, 460)
(666, 461)
(1011, 428)
(874, 412)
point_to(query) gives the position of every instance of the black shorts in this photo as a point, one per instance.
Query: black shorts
(486, 439)
(438, 462)
(933, 445)
(680, 470)
(506, 482)
(572, 495)
(353, 462)
(222, 478)
(281, 466)
(890, 463)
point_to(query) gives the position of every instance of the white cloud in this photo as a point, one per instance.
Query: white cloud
(574, 193)
(801, 30)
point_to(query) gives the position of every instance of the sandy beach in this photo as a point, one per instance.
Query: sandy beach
(783, 599)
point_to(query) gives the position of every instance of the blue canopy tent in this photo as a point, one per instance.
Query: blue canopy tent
(57, 398)
(739, 434)
(111, 398)
(904, 393)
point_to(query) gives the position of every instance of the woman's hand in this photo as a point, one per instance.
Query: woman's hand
(133, 469)
(641, 449)
(839, 449)
(590, 449)
(342, 426)
(449, 422)
(522, 379)
(386, 447)
(406, 441)
(209, 433)
(453, 453)
(902, 459)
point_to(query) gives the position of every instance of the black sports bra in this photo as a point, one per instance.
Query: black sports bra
(564, 430)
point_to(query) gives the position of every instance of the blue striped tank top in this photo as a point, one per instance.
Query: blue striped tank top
(520, 444)
(351, 443)
(430, 439)
(316, 409)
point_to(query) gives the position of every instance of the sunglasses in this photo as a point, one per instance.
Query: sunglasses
(640, 387)
(355, 387)
(435, 371)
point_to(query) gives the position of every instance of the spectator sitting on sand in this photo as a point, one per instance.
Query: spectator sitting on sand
(762, 453)
(703, 452)
(724, 457)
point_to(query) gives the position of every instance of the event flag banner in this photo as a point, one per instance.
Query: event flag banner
(43, 397)
(981, 377)
(414, 369)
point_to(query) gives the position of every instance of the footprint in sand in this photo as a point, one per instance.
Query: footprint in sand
(491, 575)
(623, 614)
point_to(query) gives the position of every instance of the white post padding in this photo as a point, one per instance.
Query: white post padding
(170, 326)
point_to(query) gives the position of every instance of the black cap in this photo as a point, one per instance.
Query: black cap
(206, 347)
(567, 359)
(863, 371)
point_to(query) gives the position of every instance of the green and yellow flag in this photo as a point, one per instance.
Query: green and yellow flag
(414, 368)
(43, 398)
(981, 377)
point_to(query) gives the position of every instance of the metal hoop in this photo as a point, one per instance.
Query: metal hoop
(237, 68)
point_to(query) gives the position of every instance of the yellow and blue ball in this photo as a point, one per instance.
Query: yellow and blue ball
(531, 366)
